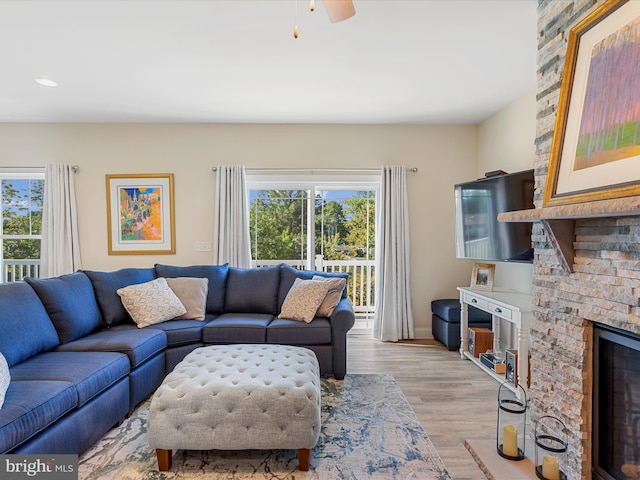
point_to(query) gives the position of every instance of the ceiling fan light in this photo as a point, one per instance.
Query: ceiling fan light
(339, 10)
(312, 5)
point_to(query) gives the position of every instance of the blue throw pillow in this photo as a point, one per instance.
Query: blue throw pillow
(217, 275)
(26, 327)
(288, 275)
(252, 290)
(70, 303)
(105, 285)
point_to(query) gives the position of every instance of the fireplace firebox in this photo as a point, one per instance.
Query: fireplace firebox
(616, 404)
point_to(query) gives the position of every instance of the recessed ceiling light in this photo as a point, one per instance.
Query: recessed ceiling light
(45, 82)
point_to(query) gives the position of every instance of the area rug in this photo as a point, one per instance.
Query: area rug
(369, 431)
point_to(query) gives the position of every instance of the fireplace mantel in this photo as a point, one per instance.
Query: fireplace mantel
(559, 221)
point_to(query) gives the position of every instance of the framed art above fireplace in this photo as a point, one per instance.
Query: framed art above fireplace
(595, 153)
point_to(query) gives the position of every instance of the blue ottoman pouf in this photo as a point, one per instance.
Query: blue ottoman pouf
(445, 321)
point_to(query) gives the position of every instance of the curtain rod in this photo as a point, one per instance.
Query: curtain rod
(75, 168)
(357, 170)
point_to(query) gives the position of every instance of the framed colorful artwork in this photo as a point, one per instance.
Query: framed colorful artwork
(140, 214)
(595, 152)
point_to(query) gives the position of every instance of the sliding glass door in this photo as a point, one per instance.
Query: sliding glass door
(328, 226)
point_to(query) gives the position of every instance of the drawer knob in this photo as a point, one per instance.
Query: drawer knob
(473, 300)
(498, 310)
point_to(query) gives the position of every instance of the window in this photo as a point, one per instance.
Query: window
(279, 226)
(20, 233)
(318, 224)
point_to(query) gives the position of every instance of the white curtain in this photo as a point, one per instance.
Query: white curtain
(60, 245)
(394, 316)
(231, 221)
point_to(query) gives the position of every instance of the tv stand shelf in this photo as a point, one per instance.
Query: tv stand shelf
(559, 221)
(513, 307)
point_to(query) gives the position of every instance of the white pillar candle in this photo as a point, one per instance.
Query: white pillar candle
(550, 468)
(510, 441)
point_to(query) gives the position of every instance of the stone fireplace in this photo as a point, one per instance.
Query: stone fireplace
(616, 404)
(604, 284)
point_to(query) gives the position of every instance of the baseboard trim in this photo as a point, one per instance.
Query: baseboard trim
(423, 333)
(420, 333)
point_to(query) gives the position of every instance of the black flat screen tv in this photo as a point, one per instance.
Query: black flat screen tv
(479, 235)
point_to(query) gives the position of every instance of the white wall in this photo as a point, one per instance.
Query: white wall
(445, 155)
(506, 141)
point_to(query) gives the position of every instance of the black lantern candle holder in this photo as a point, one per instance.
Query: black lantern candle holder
(551, 448)
(512, 422)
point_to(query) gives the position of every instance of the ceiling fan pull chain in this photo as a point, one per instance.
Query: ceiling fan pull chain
(295, 27)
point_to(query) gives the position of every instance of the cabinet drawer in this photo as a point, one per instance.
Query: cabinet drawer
(499, 310)
(475, 301)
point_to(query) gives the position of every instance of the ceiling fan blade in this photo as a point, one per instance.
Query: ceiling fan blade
(339, 10)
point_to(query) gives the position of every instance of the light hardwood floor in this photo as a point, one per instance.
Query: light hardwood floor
(453, 399)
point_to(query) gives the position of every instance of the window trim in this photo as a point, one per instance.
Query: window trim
(17, 175)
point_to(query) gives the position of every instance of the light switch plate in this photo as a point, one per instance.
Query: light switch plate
(203, 246)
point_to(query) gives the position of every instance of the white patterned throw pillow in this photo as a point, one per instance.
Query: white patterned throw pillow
(151, 302)
(303, 300)
(5, 378)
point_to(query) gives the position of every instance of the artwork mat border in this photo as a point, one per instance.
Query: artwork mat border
(566, 114)
(477, 268)
(113, 182)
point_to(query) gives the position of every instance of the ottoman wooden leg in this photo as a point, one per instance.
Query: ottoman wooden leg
(304, 458)
(164, 459)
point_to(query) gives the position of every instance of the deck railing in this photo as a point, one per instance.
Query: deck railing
(361, 282)
(14, 270)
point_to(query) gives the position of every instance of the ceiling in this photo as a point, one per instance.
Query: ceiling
(236, 61)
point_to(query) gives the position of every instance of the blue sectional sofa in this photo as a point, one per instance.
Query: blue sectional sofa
(79, 364)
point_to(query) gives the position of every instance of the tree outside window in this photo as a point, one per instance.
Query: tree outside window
(21, 232)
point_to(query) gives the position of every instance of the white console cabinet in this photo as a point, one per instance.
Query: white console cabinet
(514, 307)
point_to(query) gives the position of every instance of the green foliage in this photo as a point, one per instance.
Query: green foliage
(278, 222)
(361, 214)
(331, 229)
(343, 229)
(22, 215)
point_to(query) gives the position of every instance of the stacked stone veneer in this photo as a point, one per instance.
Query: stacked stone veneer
(604, 286)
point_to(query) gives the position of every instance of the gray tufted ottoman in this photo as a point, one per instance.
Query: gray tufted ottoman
(238, 397)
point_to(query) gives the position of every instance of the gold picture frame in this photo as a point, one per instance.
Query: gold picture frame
(140, 214)
(482, 276)
(593, 154)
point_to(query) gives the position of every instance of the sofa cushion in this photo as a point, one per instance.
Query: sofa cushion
(334, 294)
(237, 328)
(151, 302)
(289, 274)
(105, 285)
(5, 378)
(253, 290)
(139, 344)
(192, 293)
(292, 332)
(303, 300)
(89, 372)
(26, 327)
(30, 407)
(216, 274)
(183, 332)
(70, 302)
